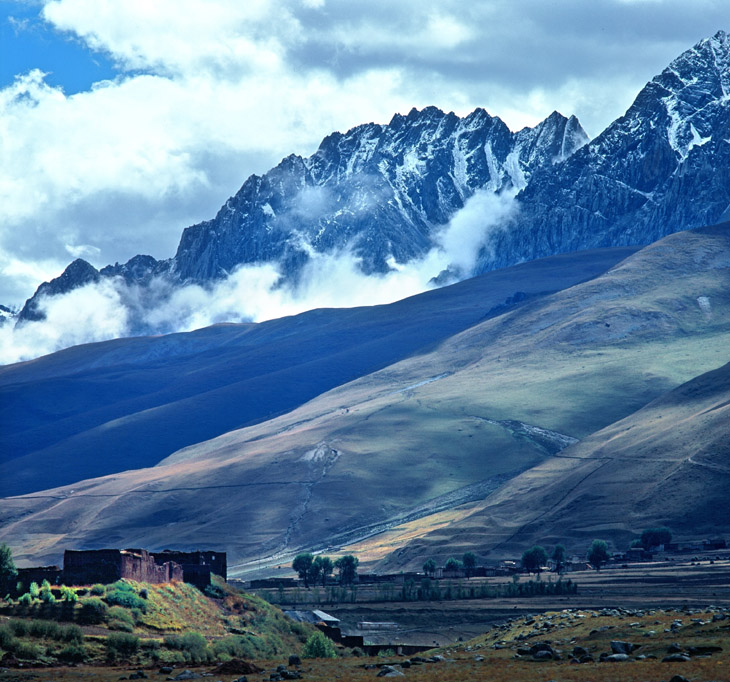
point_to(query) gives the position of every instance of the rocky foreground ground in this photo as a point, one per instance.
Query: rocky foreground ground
(635, 645)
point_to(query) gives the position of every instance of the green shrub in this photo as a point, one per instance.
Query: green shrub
(68, 594)
(93, 611)
(170, 657)
(214, 592)
(150, 644)
(72, 634)
(73, 653)
(319, 646)
(126, 599)
(34, 590)
(121, 614)
(19, 627)
(28, 652)
(122, 643)
(7, 641)
(44, 629)
(192, 644)
(121, 586)
(97, 590)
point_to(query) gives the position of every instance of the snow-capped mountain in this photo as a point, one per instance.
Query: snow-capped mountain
(385, 192)
(662, 167)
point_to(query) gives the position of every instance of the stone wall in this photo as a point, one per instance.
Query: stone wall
(86, 567)
(215, 561)
(37, 574)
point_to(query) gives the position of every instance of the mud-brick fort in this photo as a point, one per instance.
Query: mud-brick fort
(86, 567)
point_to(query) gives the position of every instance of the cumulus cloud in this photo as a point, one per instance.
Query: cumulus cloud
(112, 308)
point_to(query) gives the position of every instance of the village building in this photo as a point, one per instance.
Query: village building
(85, 567)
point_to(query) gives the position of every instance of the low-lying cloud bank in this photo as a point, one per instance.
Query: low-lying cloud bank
(112, 308)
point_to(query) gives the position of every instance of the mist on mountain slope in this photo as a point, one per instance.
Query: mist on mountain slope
(112, 308)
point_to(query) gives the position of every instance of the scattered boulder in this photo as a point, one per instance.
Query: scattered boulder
(619, 647)
(674, 648)
(579, 652)
(185, 675)
(295, 660)
(166, 670)
(139, 675)
(679, 678)
(542, 656)
(389, 671)
(615, 658)
(676, 658)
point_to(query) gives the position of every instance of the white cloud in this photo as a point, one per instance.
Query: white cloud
(112, 308)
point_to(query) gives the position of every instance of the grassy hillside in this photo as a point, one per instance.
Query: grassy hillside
(139, 400)
(143, 624)
(440, 430)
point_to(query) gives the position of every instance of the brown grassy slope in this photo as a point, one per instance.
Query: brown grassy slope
(400, 439)
(668, 463)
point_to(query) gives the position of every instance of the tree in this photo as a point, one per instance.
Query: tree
(559, 557)
(453, 564)
(598, 553)
(347, 567)
(325, 566)
(319, 646)
(8, 572)
(469, 560)
(534, 559)
(653, 537)
(429, 568)
(302, 564)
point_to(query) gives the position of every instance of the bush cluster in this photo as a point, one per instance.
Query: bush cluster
(121, 644)
(319, 646)
(192, 645)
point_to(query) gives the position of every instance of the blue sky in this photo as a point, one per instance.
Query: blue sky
(124, 121)
(28, 42)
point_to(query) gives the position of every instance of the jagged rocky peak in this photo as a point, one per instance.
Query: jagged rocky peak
(662, 167)
(383, 190)
(76, 275)
(693, 85)
(137, 270)
(7, 315)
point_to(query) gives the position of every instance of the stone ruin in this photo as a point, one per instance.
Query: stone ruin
(86, 567)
